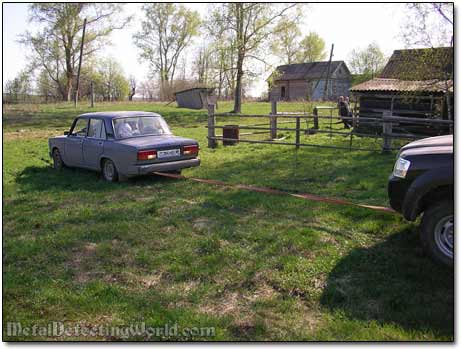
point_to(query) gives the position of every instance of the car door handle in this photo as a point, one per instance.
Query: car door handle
(100, 143)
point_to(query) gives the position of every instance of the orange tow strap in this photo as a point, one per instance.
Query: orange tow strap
(277, 192)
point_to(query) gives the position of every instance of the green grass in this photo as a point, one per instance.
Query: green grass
(254, 266)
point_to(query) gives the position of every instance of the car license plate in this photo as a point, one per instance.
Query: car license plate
(168, 153)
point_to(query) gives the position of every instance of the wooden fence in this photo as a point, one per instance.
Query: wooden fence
(387, 124)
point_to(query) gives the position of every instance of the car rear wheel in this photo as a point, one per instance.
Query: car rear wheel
(437, 232)
(58, 164)
(109, 171)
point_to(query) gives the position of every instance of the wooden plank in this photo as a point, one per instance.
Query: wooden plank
(300, 144)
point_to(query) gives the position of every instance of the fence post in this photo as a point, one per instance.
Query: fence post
(298, 127)
(387, 130)
(211, 129)
(316, 118)
(273, 119)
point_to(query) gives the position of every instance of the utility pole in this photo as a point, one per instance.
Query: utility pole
(328, 73)
(80, 64)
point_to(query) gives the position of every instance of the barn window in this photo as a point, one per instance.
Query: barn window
(282, 92)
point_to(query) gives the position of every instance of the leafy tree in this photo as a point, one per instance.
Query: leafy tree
(112, 84)
(56, 46)
(311, 49)
(285, 41)
(223, 57)
(19, 87)
(165, 33)
(368, 61)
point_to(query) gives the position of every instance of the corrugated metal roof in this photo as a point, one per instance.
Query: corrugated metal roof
(304, 71)
(396, 85)
(420, 64)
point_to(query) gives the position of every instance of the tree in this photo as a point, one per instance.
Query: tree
(56, 46)
(46, 86)
(250, 25)
(132, 87)
(428, 24)
(368, 61)
(285, 40)
(20, 86)
(202, 64)
(165, 33)
(311, 49)
(113, 86)
(223, 57)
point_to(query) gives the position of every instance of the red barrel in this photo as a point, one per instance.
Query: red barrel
(231, 132)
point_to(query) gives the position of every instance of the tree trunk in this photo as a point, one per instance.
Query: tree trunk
(68, 96)
(240, 57)
(238, 86)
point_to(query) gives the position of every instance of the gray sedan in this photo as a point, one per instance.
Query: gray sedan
(123, 144)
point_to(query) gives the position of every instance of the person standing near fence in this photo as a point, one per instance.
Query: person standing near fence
(344, 111)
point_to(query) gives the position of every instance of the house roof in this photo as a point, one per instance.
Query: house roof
(420, 64)
(397, 85)
(302, 71)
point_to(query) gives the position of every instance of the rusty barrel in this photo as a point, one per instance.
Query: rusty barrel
(231, 132)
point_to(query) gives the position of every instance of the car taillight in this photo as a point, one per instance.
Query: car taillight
(191, 149)
(147, 154)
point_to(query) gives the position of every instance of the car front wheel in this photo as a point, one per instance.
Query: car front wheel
(109, 171)
(437, 232)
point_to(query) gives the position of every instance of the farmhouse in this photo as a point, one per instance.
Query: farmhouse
(307, 81)
(414, 83)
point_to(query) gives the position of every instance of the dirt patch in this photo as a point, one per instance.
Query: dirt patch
(29, 134)
(202, 224)
(80, 261)
(229, 304)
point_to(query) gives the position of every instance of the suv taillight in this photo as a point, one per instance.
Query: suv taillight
(191, 150)
(147, 154)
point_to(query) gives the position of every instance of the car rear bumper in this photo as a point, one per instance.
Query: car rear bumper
(163, 167)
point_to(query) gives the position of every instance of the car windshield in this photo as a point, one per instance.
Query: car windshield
(140, 126)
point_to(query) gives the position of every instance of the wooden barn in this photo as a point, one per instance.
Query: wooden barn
(307, 81)
(414, 83)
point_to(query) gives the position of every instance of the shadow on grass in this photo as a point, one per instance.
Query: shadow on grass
(393, 282)
(41, 179)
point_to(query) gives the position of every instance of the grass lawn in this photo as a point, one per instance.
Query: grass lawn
(252, 266)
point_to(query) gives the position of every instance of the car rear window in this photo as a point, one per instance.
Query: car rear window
(137, 126)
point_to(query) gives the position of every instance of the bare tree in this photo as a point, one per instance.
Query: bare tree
(165, 33)
(428, 24)
(251, 24)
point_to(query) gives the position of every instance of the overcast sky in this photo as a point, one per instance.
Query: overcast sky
(347, 26)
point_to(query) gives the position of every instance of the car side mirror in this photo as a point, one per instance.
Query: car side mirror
(110, 135)
(66, 133)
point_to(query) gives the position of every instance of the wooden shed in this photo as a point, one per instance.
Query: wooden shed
(414, 83)
(307, 81)
(195, 98)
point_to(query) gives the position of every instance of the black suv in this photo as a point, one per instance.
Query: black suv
(423, 182)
